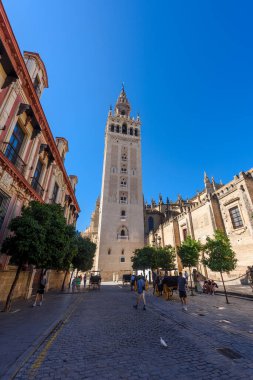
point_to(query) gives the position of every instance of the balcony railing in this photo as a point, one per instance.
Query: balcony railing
(13, 156)
(120, 237)
(37, 187)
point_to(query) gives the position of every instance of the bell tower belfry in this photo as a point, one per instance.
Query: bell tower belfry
(121, 222)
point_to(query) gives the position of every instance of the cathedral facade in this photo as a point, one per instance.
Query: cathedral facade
(228, 208)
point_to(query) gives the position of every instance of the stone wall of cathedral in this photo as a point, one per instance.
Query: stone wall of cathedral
(228, 208)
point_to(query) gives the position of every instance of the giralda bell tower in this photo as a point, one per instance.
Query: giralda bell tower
(121, 223)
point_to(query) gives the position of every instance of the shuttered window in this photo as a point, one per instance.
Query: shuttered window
(4, 204)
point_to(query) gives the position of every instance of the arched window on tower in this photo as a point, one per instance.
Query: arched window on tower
(122, 233)
(136, 132)
(124, 129)
(131, 131)
(117, 128)
(150, 223)
(112, 128)
(123, 112)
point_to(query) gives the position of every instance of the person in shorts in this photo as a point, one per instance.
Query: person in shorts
(182, 290)
(132, 281)
(40, 291)
(141, 292)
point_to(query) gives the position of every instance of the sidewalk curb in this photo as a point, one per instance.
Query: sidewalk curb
(235, 294)
(15, 367)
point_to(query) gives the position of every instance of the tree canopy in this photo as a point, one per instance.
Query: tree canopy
(165, 258)
(189, 252)
(219, 256)
(154, 258)
(41, 237)
(143, 258)
(84, 258)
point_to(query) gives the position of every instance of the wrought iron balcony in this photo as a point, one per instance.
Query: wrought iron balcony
(13, 156)
(37, 187)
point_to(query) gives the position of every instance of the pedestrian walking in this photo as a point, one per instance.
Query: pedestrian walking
(140, 292)
(74, 285)
(40, 291)
(186, 276)
(132, 282)
(182, 290)
(78, 283)
(84, 281)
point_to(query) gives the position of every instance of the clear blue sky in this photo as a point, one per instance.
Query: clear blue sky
(187, 68)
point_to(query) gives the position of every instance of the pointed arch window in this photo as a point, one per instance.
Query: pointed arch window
(124, 129)
(150, 223)
(112, 128)
(123, 233)
(131, 131)
(136, 132)
(117, 128)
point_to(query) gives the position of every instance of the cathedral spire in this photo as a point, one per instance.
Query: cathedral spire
(122, 107)
(208, 185)
(206, 179)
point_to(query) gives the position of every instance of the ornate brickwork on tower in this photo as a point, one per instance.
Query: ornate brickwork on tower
(121, 226)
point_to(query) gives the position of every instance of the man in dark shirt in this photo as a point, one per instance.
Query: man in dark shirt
(182, 290)
(141, 292)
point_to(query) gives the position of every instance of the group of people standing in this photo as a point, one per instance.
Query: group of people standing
(140, 283)
(77, 282)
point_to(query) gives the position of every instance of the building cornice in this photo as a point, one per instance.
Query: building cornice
(10, 44)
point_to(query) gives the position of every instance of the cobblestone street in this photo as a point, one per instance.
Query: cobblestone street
(103, 337)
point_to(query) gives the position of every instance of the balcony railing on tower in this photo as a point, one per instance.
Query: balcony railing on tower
(122, 237)
(13, 156)
(37, 187)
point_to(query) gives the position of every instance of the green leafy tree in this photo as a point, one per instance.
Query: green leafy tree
(84, 258)
(164, 258)
(71, 249)
(144, 258)
(189, 254)
(38, 238)
(219, 256)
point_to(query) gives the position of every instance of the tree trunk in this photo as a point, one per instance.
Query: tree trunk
(63, 282)
(191, 281)
(13, 286)
(225, 290)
